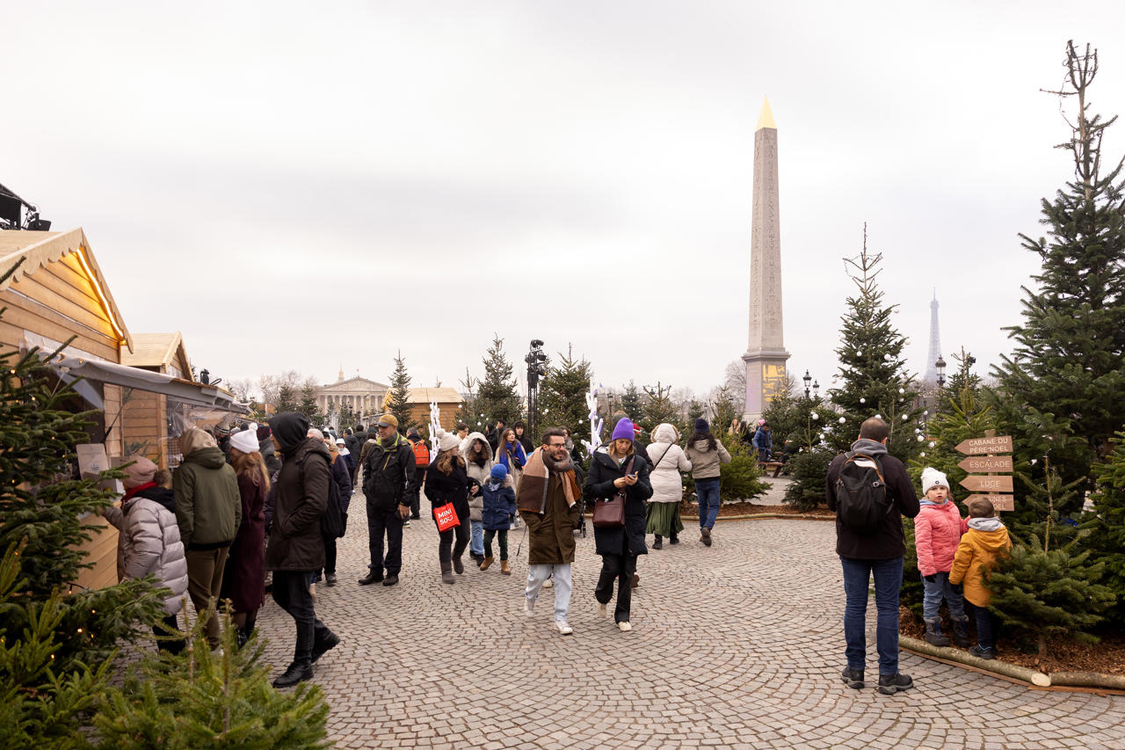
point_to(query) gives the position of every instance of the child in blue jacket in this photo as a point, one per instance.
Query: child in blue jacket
(499, 508)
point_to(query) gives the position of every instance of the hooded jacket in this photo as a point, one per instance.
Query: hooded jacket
(149, 542)
(208, 504)
(888, 542)
(300, 497)
(704, 462)
(499, 504)
(481, 473)
(669, 460)
(985, 543)
(629, 538)
(937, 532)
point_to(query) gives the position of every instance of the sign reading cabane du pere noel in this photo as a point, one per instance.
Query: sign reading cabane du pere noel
(997, 470)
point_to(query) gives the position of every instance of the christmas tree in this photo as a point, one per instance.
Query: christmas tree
(632, 403)
(497, 397)
(398, 401)
(1105, 526)
(286, 398)
(1060, 390)
(562, 396)
(658, 409)
(872, 368)
(308, 405)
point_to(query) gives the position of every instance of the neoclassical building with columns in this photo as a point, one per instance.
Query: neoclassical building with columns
(361, 395)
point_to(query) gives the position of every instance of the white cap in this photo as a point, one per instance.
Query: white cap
(245, 441)
(931, 478)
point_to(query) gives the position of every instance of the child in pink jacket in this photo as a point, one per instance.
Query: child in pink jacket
(937, 532)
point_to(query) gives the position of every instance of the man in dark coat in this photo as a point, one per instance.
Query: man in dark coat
(391, 490)
(879, 554)
(296, 548)
(548, 504)
(359, 437)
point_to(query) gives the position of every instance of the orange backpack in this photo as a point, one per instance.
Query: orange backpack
(421, 454)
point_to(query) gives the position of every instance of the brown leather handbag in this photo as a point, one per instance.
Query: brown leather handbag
(609, 513)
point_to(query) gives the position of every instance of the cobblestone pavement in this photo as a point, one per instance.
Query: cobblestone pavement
(739, 645)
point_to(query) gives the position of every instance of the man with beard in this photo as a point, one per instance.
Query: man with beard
(548, 503)
(296, 547)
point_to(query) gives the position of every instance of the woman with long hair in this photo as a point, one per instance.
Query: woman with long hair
(706, 453)
(245, 578)
(616, 470)
(447, 482)
(510, 452)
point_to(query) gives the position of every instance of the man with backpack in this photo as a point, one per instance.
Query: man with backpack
(421, 463)
(296, 543)
(388, 483)
(870, 492)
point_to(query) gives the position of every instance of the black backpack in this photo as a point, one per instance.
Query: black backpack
(861, 493)
(334, 522)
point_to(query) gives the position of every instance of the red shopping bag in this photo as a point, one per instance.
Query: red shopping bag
(446, 517)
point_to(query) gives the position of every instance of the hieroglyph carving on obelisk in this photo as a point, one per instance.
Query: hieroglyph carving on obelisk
(765, 355)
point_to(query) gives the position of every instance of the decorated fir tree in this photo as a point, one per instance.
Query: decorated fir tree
(872, 380)
(659, 408)
(562, 395)
(497, 396)
(632, 402)
(1060, 390)
(398, 397)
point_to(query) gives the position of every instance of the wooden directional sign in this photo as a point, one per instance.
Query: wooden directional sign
(999, 502)
(987, 464)
(980, 446)
(977, 483)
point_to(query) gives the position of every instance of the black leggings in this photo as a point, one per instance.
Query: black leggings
(502, 535)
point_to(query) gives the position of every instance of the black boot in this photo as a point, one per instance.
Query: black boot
(659, 543)
(242, 635)
(674, 539)
(961, 632)
(326, 640)
(298, 671)
(933, 633)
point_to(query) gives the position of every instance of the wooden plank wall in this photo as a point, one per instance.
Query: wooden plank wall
(102, 551)
(145, 426)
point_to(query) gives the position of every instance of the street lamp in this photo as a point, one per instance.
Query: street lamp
(940, 365)
(536, 368)
(816, 389)
(808, 380)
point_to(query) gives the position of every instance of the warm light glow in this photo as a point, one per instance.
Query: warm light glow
(101, 295)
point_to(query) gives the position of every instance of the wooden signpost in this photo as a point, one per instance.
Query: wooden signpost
(996, 470)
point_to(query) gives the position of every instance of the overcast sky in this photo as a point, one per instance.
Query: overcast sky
(309, 186)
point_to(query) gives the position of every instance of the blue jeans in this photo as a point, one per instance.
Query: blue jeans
(476, 541)
(708, 492)
(933, 594)
(888, 583)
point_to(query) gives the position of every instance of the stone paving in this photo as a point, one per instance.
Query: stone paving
(739, 645)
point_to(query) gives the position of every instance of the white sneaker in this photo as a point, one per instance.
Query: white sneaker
(624, 627)
(563, 627)
(549, 583)
(603, 609)
(528, 607)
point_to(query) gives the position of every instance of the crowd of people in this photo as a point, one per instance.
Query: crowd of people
(227, 516)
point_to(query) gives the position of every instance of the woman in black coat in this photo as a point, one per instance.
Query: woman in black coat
(448, 482)
(613, 470)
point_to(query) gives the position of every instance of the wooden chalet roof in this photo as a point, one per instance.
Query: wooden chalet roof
(427, 395)
(160, 351)
(37, 249)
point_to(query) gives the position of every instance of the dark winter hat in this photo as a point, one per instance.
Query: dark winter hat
(499, 471)
(263, 432)
(290, 428)
(623, 430)
(701, 425)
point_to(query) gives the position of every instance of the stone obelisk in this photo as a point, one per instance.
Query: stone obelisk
(765, 356)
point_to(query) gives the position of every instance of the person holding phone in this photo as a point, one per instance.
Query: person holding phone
(616, 469)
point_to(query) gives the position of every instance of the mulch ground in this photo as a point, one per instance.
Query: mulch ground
(750, 509)
(1063, 655)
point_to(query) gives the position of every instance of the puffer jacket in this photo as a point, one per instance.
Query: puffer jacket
(499, 505)
(630, 538)
(704, 462)
(937, 532)
(669, 460)
(149, 542)
(300, 499)
(208, 505)
(477, 472)
(982, 546)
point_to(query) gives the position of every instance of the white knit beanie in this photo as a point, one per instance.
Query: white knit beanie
(931, 478)
(245, 441)
(447, 440)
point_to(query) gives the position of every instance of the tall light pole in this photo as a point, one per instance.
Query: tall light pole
(536, 368)
(940, 366)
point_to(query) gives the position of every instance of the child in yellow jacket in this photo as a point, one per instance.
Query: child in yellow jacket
(985, 543)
